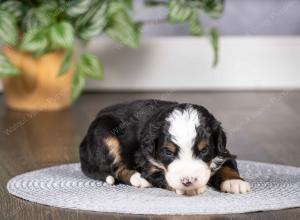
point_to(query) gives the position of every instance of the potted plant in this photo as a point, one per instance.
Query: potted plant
(39, 66)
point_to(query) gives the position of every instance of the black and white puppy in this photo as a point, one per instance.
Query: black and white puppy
(179, 147)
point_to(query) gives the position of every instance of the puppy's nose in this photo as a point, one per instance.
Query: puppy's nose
(187, 181)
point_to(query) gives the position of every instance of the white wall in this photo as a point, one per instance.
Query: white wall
(184, 63)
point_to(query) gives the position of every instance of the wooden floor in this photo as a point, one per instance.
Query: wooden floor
(261, 126)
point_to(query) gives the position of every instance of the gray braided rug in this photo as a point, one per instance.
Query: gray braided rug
(273, 187)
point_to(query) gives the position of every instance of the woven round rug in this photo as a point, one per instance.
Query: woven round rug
(65, 186)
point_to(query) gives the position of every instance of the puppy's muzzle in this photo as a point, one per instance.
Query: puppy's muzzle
(188, 181)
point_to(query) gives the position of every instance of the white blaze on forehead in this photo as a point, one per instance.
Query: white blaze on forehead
(182, 129)
(183, 124)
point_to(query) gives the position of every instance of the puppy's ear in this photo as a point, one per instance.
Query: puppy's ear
(220, 141)
(150, 138)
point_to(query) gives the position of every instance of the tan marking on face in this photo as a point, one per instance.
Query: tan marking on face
(114, 147)
(202, 144)
(171, 147)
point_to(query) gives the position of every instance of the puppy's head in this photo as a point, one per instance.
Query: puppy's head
(189, 145)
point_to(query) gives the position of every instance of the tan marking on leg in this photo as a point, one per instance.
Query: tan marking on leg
(226, 173)
(124, 174)
(114, 147)
(121, 172)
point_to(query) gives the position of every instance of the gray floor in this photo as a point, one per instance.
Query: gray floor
(261, 126)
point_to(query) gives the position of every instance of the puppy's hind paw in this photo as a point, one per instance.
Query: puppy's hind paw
(138, 181)
(235, 186)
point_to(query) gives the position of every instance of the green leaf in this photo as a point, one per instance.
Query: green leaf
(13, 7)
(61, 35)
(122, 29)
(76, 8)
(6, 67)
(90, 66)
(214, 8)
(93, 22)
(36, 18)
(66, 63)
(195, 27)
(8, 28)
(98, 9)
(214, 39)
(78, 83)
(50, 6)
(179, 11)
(128, 4)
(34, 41)
(116, 6)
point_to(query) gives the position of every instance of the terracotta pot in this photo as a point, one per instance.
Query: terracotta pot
(37, 88)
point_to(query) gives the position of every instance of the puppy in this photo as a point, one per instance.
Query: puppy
(179, 147)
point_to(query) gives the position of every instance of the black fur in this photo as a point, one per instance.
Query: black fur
(142, 130)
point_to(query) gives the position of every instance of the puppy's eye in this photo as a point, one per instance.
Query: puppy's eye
(169, 153)
(204, 150)
(170, 148)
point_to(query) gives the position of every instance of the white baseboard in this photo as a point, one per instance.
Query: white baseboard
(184, 63)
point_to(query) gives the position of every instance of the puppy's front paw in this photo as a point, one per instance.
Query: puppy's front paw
(201, 190)
(137, 180)
(193, 192)
(235, 186)
(179, 191)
